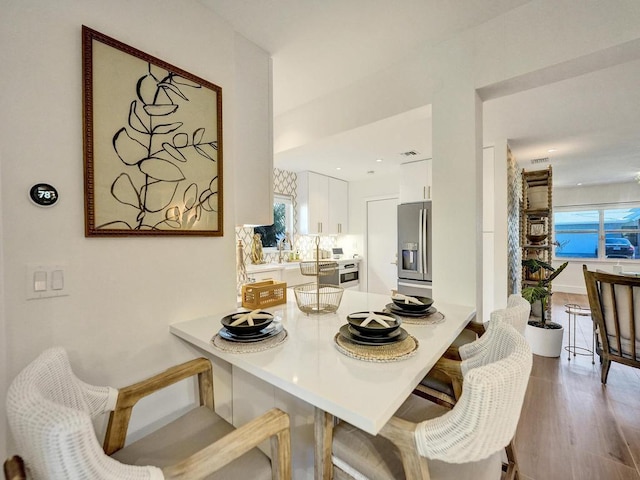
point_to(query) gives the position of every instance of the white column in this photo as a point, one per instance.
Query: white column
(457, 182)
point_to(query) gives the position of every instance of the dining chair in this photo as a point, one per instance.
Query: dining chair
(443, 383)
(50, 414)
(614, 301)
(515, 313)
(425, 440)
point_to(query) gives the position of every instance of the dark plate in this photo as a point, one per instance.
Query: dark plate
(373, 328)
(391, 337)
(245, 328)
(270, 331)
(412, 307)
(393, 309)
(344, 331)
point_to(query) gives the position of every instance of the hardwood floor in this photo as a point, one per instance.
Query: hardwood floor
(572, 427)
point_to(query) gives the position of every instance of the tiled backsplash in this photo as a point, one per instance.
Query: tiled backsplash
(285, 183)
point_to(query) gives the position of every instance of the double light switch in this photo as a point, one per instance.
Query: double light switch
(45, 281)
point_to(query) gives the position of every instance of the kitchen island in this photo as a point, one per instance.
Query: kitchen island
(307, 376)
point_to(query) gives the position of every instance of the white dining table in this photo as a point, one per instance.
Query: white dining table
(308, 365)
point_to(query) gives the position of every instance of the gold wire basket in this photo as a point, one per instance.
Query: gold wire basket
(317, 268)
(317, 298)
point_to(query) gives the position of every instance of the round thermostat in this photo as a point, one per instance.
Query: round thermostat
(43, 194)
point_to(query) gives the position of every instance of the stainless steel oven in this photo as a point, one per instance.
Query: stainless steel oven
(348, 274)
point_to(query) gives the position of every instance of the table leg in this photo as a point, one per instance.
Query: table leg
(323, 433)
(569, 336)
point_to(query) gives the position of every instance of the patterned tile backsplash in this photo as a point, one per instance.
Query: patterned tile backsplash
(285, 183)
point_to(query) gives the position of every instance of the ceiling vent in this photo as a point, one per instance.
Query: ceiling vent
(410, 153)
(535, 161)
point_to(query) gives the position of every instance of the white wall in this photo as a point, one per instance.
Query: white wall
(535, 44)
(359, 193)
(3, 336)
(124, 292)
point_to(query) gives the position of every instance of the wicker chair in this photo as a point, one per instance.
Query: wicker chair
(443, 384)
(427, 441)
(50, 413)
(615, 309)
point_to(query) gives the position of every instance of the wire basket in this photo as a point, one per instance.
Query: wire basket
(317, 268)
(317, 298)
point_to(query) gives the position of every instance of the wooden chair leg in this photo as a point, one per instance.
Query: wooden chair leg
(511, 467)
(14, 469)
(606, 364)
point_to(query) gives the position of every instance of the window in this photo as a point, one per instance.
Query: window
(595, 232)
(282, 224)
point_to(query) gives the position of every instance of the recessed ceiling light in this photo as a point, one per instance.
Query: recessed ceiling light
(580, 183)
(338, 168)
(379, 160)
(551, 150)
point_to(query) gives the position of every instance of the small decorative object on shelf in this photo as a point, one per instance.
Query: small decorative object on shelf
(241, 267)
(257, 257)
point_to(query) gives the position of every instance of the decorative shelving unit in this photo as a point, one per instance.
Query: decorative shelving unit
(536, 222)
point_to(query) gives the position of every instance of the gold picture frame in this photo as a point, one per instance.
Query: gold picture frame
(152, 144)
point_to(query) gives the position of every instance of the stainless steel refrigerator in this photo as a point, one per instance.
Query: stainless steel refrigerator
(414, 249)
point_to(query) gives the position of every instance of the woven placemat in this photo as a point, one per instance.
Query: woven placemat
(432, 319)
(429, 319)
(249, 347)
(388, 352)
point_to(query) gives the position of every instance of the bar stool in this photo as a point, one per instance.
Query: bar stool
(574, 310)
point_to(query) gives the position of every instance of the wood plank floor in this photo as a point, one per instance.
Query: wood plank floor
(572, 427)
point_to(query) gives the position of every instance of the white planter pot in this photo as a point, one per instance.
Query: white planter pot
(545, 342)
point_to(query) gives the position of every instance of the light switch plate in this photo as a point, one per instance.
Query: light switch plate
(46, 281)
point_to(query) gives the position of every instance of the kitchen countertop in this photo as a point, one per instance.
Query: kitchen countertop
(265, 267)
(310, 367)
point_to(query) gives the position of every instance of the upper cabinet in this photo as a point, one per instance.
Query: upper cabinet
(338, 206)
(415, 181)
(253, 134)
(322, 204)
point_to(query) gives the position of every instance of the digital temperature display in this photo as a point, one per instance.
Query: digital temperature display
(43, 194)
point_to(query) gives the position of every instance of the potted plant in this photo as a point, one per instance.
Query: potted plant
(545, 337)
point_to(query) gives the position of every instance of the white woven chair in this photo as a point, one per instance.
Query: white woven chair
(443, 384)
(427, 441)
(50, 413)
(515, 314)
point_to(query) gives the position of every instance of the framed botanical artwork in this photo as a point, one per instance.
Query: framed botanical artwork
(152, 144)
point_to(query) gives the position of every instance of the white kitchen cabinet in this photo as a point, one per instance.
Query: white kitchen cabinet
(322, 204)
(338, 206)
(252, 134)
(292, 276)
(415, 181)
(260, 275)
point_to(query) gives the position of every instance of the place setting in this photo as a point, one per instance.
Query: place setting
(249, 331)
(414, 310)
(375, 337)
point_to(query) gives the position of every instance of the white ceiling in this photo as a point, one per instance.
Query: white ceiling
(320, 46)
